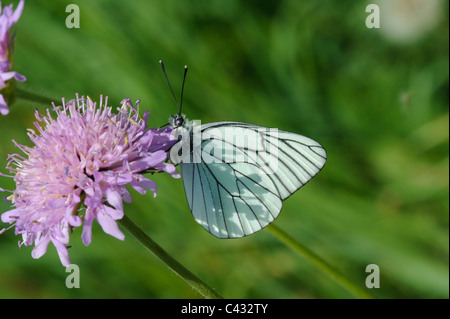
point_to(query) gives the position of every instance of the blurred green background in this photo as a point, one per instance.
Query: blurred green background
(377, 102)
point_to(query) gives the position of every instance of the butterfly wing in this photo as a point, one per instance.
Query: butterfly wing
(230, 200)
(238, 174)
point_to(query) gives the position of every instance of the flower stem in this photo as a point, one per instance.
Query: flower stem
(32, 97)
(195, 282)
(319, 262)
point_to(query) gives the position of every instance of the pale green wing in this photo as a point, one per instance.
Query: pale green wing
(244, 173)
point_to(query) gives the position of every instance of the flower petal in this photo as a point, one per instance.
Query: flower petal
(141, 183)
(4, 110)
(149, 160)
(16, 15)
(41, 247)
(108, 225)
(62, 252)
(114, 198)
(12, 215)
(86, 235)
(113, 213)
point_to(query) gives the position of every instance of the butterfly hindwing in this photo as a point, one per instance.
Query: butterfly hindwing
(229, 211)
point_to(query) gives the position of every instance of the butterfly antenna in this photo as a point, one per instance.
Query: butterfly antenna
(167, 79)
(182, 88)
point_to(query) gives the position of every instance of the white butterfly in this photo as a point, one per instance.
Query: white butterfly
(237, 175)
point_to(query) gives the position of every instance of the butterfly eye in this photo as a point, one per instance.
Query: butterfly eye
(179, 122)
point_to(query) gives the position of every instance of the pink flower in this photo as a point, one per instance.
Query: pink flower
(7, 19)
(85, 156)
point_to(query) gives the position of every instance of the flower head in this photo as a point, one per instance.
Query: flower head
(84, 156)
(8, 18)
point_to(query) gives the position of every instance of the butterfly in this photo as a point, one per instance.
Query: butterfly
(237, 175)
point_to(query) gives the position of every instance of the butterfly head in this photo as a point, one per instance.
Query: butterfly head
(182, 131)
(179, 120)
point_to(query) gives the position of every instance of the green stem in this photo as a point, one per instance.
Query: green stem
(318, 262)
(195, 282)
(32, 97)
